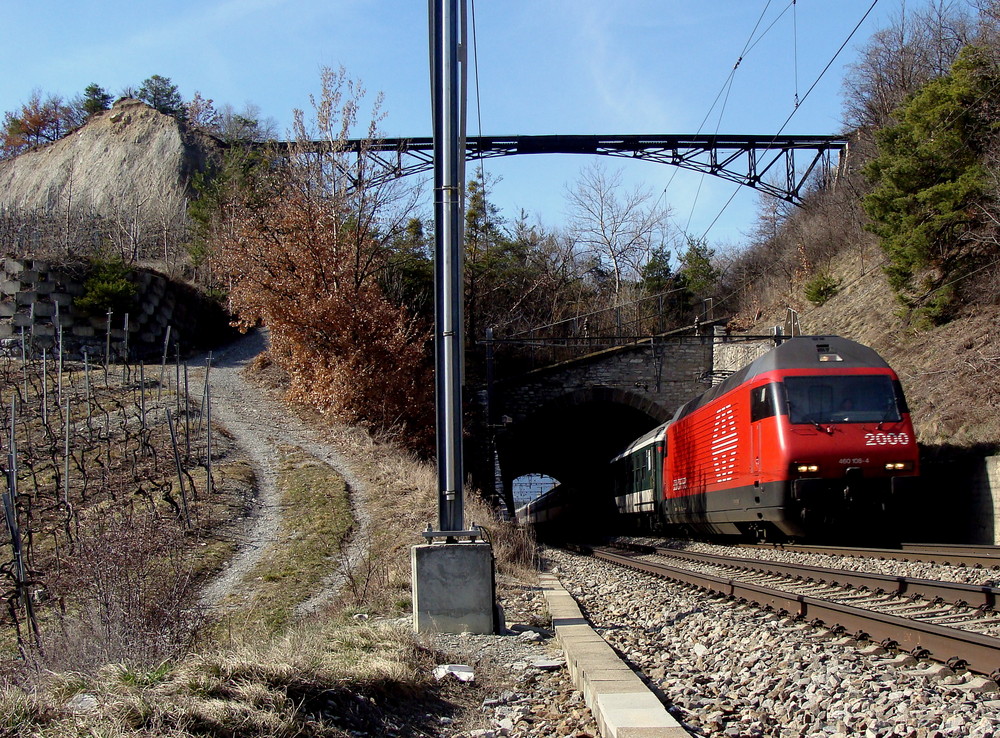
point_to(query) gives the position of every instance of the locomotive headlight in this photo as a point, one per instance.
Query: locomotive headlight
(807, 468)
(899, 466)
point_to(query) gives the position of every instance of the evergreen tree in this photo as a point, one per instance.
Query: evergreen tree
(160, 93)
(656, 275)
(484, 236)
(697, 272)
(95, 100)
(929, 178)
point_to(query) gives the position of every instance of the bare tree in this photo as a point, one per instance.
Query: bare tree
(245, 124)
(914, 48)
(306, 244)
(617, 229)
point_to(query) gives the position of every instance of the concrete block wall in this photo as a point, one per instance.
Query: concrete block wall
(39, 296)
(982, 516)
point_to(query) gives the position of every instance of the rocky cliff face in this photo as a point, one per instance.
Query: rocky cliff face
(129, 161)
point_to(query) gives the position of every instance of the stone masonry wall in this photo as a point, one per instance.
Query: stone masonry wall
(661, 377)
(733, 356)
(37, 297)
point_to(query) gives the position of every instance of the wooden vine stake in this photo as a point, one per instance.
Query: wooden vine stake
(180, 470)
(10, 515)
(163, 363)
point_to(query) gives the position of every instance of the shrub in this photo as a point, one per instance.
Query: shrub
(821, 288)
(107, 288)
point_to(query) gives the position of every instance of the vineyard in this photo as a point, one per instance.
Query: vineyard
(119, 499)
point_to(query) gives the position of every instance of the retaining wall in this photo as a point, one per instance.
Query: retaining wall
(982, 517)
(38, 297)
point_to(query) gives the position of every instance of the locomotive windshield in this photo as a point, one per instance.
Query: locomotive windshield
(843, 399)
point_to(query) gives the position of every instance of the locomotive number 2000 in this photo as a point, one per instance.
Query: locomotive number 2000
(887, 439)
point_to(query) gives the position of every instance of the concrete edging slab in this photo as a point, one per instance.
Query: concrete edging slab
(623, 706)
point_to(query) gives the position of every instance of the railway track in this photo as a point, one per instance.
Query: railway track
(987, 557)
(949, 622)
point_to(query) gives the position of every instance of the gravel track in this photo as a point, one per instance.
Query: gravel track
(261, 425)
(890, 567)
(529, 701)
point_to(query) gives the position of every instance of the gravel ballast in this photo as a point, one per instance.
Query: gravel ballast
(730, 669)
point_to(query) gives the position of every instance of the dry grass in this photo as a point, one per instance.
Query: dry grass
(941, 368)
(315, 680)
(317, 519)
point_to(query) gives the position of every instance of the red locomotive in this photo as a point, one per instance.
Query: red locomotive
(812, 437)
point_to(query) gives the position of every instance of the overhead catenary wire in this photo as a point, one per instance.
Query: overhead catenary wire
(748, 46)
(799, 102)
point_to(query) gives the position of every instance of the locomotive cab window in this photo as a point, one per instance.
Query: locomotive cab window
(842, 399)
(765, 401)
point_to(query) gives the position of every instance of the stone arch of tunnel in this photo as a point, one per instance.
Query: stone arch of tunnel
(572, 439)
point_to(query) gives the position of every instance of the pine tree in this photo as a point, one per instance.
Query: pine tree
(929, 177)
(95, 100)
(160, 93)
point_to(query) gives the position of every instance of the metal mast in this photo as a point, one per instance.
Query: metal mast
(448, 76)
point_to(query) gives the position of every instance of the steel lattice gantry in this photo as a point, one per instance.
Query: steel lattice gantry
(787, 162)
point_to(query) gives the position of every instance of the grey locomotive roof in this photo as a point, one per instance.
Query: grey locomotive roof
(801, 352)
(806, 352)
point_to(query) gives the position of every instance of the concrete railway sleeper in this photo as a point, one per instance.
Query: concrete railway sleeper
(977, 652)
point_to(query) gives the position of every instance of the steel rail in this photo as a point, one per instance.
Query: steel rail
(979, 596)
(978, 553)
(977, 652)
(987, 557)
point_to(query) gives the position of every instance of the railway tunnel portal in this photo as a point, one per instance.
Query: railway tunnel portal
(569, 419)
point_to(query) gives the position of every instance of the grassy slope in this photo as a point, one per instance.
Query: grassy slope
(259, 670)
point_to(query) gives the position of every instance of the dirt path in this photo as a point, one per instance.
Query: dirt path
(261, 424)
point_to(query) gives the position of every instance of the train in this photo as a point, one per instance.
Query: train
(813, 439)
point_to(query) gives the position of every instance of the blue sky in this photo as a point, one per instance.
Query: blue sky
(545, 66)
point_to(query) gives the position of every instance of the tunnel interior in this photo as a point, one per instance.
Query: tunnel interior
(573, 441)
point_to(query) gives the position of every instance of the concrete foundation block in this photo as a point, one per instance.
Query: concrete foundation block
(453, 588)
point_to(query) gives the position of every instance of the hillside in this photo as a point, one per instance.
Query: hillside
(123, 178)
(948, 372)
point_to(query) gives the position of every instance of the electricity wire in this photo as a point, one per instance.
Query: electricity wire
(748, 46)
(803, 99)
(795, 49)
(827, 67)
(475, 66)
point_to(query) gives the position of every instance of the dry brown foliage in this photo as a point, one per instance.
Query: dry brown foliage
(302, 249)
